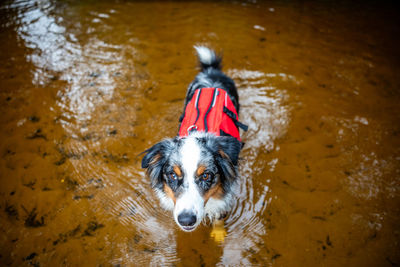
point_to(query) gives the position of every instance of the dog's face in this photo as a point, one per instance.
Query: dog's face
(193, 175)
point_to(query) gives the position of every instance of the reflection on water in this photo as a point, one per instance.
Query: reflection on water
(260, 102)
(364, 176)
(89, 65)
(86, 87)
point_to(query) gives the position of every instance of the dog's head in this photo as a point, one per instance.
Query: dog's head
(190, 172)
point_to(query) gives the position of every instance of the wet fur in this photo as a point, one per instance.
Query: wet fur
(176, 166)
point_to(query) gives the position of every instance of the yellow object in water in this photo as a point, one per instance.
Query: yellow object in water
(218, 232)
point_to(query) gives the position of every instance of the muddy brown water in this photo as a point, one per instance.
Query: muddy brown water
(86, 86)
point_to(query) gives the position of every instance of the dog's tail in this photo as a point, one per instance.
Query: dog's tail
(208, 58)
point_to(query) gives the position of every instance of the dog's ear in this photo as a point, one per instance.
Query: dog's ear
(229, 147)
(226, 151)
(154, 161)
(228, 157)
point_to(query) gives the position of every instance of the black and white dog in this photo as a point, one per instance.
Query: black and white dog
(193, 174)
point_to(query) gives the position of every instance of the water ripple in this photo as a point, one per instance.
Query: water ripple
(264, 108)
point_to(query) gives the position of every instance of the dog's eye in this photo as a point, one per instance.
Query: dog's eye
(172, 176)
(206, 176)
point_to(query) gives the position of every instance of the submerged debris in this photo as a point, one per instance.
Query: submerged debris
(321, 218)
(37, 134)
(328, 241)
(30, 184)
(63, 237)
(32, 221)
(91, 228)
(150, 250)
(137, 238)
(112, 132)
(275, 256)
(60, 162)
(94, 74)
(78, 197)
(70, 183)
(98, 183)
(30, 256)
(116, 158)
(34, 118)
(11, 211)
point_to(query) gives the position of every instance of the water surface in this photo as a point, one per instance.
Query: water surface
(86, 86)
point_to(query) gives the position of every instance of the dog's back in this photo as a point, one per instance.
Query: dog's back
(212, 76)
(212, 101)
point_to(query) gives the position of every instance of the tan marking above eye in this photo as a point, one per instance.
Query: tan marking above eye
(177, 170)
(200, 170)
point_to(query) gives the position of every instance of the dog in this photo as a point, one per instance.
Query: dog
(193, 174)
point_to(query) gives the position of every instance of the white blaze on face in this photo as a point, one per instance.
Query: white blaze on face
(190, 200)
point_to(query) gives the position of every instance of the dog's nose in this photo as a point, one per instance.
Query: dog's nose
(187, 219)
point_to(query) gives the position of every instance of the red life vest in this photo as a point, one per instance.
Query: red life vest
(211, 110)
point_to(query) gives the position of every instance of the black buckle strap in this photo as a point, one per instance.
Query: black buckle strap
(232, 115)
